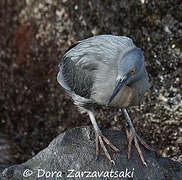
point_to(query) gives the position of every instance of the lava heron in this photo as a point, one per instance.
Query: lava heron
(105, 70)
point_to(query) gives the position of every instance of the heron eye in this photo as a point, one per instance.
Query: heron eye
(132, 71)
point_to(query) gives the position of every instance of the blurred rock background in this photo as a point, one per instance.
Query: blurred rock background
(34, 35)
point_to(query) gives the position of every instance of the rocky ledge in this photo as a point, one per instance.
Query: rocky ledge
(72, 155)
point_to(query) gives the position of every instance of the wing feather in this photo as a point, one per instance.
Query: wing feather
(82, 61)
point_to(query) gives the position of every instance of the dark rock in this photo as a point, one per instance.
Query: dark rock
(74, 150)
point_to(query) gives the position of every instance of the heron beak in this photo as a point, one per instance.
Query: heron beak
(119, 84)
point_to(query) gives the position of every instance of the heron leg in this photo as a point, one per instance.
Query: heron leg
(132, 135)
(99, 138)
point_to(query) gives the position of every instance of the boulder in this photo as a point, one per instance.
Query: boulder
(72, 155)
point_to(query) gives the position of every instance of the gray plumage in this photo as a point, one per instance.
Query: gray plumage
(105, 70)
(90, 67)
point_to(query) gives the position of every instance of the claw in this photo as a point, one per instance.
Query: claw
(139, 151)
(145, 144)
(99, 138)
(132, 135)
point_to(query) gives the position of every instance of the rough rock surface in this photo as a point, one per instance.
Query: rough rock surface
(73, 152)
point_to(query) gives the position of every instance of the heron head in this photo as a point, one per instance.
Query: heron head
(130, 70)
